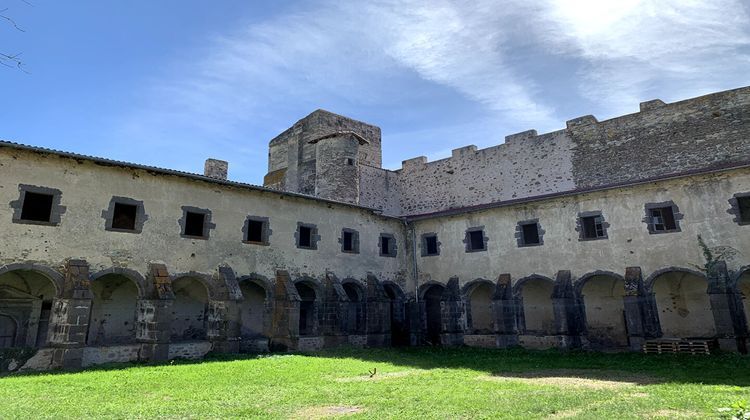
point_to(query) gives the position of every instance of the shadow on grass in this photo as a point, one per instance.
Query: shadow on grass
(636, 368)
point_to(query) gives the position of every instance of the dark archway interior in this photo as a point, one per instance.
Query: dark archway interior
(538, 316)
(189, 310)
(433, 313)
(113, 310)
(355, 316)
(306, 309)
(7, 331)
(605, 311)
(252, 309)
(26, 299)
(684, 305)
(399, 330)
(480, 301)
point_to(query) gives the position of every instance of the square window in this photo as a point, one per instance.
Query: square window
(348, 241)
(530, 234)
(254, 231)
(385, 246)
(123, 216)
(194, 224)
(305, 236)
(743, 204)
(593, 227)
(662, 219)
(36, 207)
(476, 240)
(431, 245)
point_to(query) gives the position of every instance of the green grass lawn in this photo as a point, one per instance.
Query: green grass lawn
(414, 382)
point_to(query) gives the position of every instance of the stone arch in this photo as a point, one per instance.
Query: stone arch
(534, 295)
(27, 292)
(190, 308)
(431, 294)
(136, 277)
(310, 293)
(57, 278)
(682, 303)
(8, 331)
(741, 285)
(478, 297)
(255, 306)
(602, 294)
(114, 306)
(357, 294)
(205, 279)
(397, 308)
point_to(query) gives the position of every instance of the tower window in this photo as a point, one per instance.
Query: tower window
(740, 208)
(662, 217)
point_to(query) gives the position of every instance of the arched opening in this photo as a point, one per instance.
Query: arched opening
(399, 330)
(26, 298)
(307, 309)
(433, 313)
(7, 332)
(355, 317)
(605, 310)
(536, 303)
(683, 305)
(189, 310)
(743, 286)
(113, 310)
(252, 309)
(480, 307)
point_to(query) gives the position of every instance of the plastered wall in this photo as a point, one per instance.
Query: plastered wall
(88, 187)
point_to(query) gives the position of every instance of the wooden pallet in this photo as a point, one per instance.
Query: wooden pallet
(677, 345)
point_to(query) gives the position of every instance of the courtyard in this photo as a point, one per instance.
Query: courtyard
(391, 383)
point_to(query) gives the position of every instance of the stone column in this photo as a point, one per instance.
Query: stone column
(69, 322)
(567, 310)
(504, 312)
(332, 320)
(154, 316)
(285, 315)
(453, 315)
(641, 316)
(378, 314)
(224, 313)
(726, 308)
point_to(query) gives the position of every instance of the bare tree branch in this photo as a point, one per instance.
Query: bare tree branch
(12, 22)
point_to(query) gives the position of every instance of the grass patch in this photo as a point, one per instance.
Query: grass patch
(410, 382)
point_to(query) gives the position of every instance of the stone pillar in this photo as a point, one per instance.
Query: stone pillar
(413, 310)
(224, 313)
(567, 310)
(332, 316)
(285, 315)
(378, 314)
(504, 312)
(641, 314)
(726, 308)
(69, 321)
(453, 315)
(154, 316)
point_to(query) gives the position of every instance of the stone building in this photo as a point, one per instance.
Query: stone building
(583, 237)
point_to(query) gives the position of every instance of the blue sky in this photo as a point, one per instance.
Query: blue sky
(170, 83)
